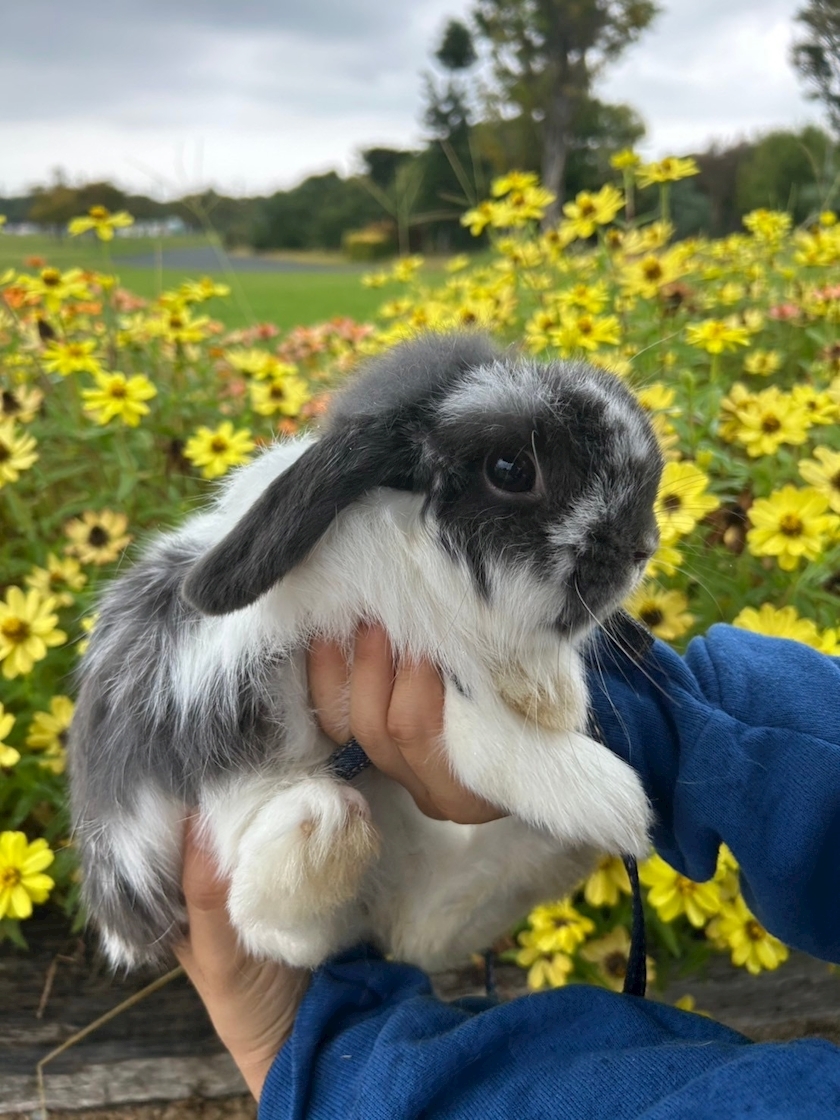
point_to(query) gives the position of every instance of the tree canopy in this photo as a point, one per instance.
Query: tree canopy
(816, 55)
(545, 55)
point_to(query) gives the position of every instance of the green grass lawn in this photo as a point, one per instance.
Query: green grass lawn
(283, 298)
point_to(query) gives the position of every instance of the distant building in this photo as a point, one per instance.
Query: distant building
(154, 227)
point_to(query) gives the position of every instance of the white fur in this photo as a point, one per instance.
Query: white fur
(316, 864)
(435, 891)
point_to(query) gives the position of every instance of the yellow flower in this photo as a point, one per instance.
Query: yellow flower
(823, 473)
(58, 579)
(592, 298)
(17, 452)
(768, 226)
(457, 263)
(375, 279)
(607, 882)
(27, 630)
(767, 420)
(682, 500)
(625, 160)
(54, 286)
(782, 622)
(647, 276)
(86, 624)
(763, 362)
(666, 560)
(216, 450)
(667, 170)
(585, 332)
(514, 181)
(671, 894)
(791, 525)
(8, 755)
(71, 357)
(48, 732)
(611, 954)
(180, 327)
(558, 927)
(665, 613)
(97, 538)
(406, 269)
(2, 220)
(727, 874)
(752, 947)
(119, 396)
(588, 211)
(197, 291)
(20, 403)
(657, 398)
(286, 395)
(714, 335)
(819, 407)
(477, 219)
(22, 881)
(101, 219)
(550, 972)
(259, 363)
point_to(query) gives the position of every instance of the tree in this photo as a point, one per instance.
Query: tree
(545, 56)
(817, 55)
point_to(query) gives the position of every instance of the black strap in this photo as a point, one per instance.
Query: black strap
(635, 979)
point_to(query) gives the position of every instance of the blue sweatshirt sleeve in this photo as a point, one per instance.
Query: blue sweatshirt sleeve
(738, 741)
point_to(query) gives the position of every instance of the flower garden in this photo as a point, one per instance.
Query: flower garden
(116, 413)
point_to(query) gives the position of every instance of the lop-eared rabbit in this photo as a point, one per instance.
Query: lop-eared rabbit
(491, 512)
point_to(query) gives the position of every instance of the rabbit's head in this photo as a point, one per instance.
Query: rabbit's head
(539, 477)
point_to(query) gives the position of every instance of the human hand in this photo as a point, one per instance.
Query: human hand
(395, 711)
(251, 1003)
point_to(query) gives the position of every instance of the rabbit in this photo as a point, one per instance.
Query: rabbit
(491, 512)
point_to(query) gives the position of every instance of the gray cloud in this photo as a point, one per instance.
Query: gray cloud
(258, 93)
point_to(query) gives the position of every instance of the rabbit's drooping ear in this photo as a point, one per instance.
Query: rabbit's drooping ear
(292, 515)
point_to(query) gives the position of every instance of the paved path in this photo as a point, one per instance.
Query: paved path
(204, 260)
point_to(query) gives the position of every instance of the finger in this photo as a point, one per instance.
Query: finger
(329, 678)
(415, 725)
(212, 948)
(371, 680)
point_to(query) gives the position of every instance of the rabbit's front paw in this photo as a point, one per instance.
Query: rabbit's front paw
(301, 858)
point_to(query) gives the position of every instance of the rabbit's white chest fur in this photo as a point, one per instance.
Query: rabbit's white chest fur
(195, 698)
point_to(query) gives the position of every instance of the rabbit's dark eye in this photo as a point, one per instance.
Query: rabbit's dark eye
(513, 472)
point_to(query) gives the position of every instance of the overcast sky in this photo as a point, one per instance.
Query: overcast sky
(165, 96)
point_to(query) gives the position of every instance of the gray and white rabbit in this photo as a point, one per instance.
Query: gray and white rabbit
(490, 511)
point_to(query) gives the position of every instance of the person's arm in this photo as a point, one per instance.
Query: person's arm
(738, 741)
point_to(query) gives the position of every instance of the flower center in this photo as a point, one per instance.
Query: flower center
(671, 503)
(9, 877)
(219, 445)
(15, 630)
(117, 391)
(51, 277)
(652, 617)
(834, 481)
(5, 452)
(98, 537)
(653, 270)
(754, 931)
(587, 209)
(770, 423)
(616, 965)
(791, 525)
(98, 213)
(10, 404)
